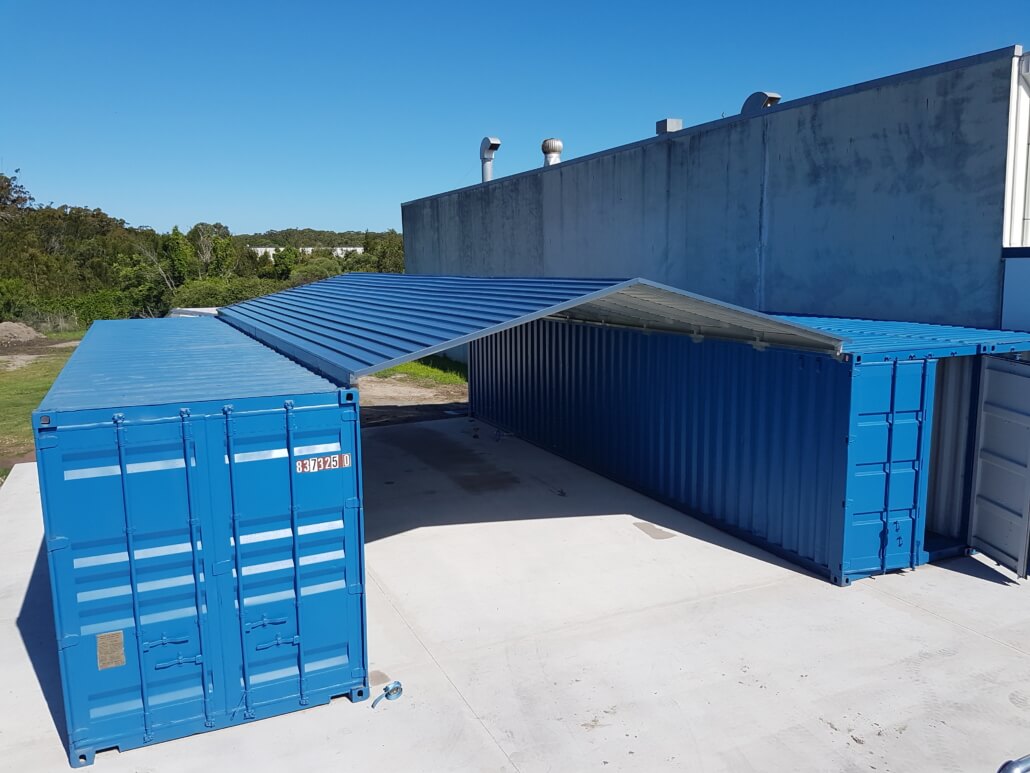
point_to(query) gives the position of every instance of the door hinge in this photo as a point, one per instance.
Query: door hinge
(46, 438)
(68, 640)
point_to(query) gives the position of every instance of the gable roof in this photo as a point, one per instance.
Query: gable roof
(356, 324)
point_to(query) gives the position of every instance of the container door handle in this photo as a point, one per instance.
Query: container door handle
(277, 641)
(264, 621)
(148, 645)
(181, 661)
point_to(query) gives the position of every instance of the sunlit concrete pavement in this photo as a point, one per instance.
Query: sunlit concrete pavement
(542, 618)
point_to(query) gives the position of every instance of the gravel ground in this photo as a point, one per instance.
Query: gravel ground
(403, 390)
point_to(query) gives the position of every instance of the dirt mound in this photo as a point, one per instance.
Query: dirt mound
(17, 333)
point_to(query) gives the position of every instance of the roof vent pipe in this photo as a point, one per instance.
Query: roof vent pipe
(552, 149)
(487, 148)
(758, 102)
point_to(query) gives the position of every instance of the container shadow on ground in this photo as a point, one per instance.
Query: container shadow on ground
(39, 637)
(396, 461)
(976, 569)
(380, 415)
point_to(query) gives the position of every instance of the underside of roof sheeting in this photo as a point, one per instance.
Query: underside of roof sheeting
(356, 324)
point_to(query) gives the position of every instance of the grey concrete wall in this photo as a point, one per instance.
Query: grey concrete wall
(883, 200)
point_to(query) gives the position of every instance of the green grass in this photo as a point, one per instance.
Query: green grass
(434, 369)
(65, 335)
(22, 389)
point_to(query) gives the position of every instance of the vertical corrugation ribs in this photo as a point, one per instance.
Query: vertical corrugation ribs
(946, 499)
(749, 440)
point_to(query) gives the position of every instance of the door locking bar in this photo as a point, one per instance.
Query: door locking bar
(181, 661)
(148, 645)
(278, 641)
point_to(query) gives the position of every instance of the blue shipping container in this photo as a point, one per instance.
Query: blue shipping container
(817, 459)
(203, 525)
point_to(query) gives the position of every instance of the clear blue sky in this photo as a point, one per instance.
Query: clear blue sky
(330, 114)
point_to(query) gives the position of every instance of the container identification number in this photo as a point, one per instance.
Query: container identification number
(320, 463)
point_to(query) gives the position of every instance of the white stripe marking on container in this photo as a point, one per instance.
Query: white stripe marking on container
(163, 550)
(155, 700)
(103, 593)
(291, 671)
(115, 708)
(270, 566)
(321, 665)
(168, 582)
(100, 560)
(315, 528)
(287, 563)
(113, 558)
(265, 536)
(127, 623)
(143, 587)
(175, 695)
(321, 558)
(171, 614)
(258, 456)
(322, 448)
(268, 676)
(281, 453)
(161, 464)
(104, 471)
(324, 587)
(262, 536)
(92, 472)
(268, 598)
(108, 626)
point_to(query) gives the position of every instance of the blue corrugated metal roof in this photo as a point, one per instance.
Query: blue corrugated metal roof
(156, 361)
(356, 324)
(870, 337)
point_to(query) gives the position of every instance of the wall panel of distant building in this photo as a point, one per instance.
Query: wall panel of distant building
(883, 200)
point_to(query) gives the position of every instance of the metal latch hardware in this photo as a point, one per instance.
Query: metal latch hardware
(181, 661)
(277, 641)
(147, 645)
(264, 621)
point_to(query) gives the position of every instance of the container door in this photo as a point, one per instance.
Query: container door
(125, 541)
(1000, 512)
(291, 565)
(886, 491)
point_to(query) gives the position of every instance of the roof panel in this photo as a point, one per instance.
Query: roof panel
(866, 337)
(132, 362)
(356, 324)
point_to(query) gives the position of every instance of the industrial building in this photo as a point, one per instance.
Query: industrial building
(903, 198)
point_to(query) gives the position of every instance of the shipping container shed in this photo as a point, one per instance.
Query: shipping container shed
(200, 577)
(849, 447)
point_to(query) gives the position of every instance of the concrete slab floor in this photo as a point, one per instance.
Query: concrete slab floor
(545, 619)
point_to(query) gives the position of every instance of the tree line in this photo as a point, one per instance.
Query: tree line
(64, 266)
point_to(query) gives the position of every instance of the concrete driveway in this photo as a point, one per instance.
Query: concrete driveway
(543, 618)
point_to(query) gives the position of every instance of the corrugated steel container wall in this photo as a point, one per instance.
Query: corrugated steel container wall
(181, 531)
(947, 507)
(752, 441)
